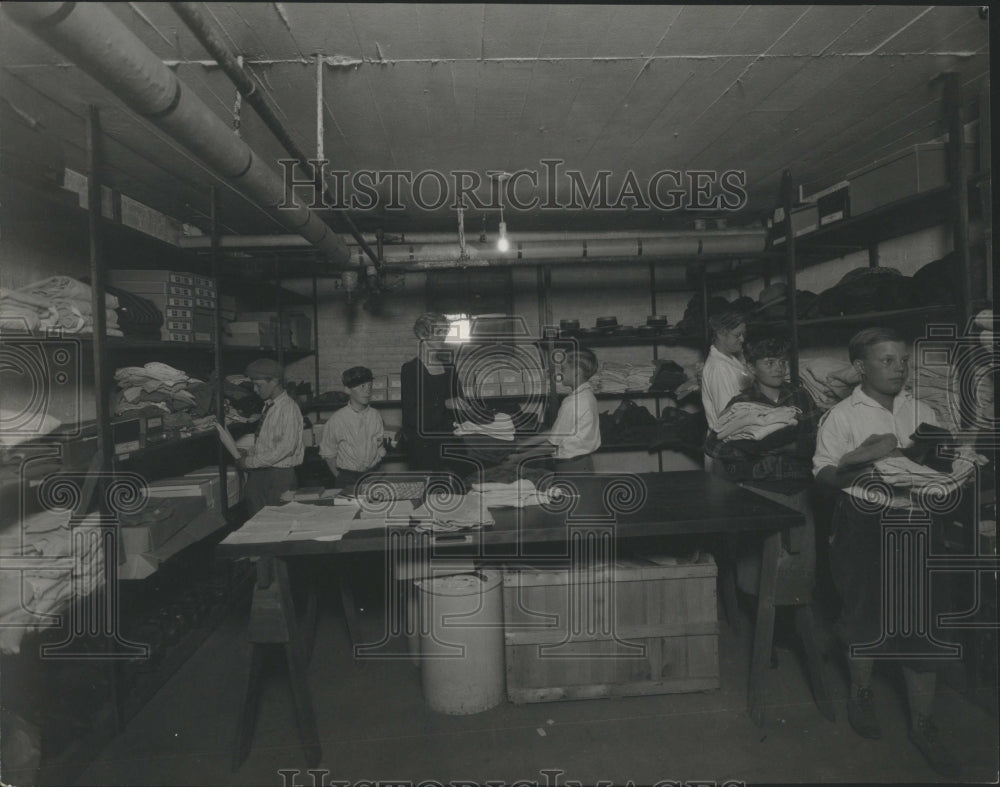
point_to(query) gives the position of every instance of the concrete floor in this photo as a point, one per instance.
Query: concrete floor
(374, 725)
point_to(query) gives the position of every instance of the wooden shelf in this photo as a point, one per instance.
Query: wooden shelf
(857, 233)
(626, 340)
(922, 313)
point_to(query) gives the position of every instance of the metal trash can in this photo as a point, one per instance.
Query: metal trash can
(461, 642)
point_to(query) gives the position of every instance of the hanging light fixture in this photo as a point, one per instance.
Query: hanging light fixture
(503, 244)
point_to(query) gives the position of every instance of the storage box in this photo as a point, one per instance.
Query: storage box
(489, 390)
(805, 219)
(509, 376)
(662, 637)
(251, 333)
(148, 288)
(159, 276)
(176, 336)
(512, 389)
(913, 171)
(395, 383)
(379, 396)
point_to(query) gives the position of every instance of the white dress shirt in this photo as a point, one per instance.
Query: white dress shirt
(577, 430)
(722, 378)
(850, 422)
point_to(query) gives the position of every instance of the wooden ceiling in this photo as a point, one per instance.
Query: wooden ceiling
(822, 90)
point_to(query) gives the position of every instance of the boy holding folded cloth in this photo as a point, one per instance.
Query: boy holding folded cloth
(876, 421)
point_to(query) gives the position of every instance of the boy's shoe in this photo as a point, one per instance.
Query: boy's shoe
(925, 737)
(861, 714)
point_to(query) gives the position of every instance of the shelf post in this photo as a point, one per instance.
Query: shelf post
(220, 409)
(97, 276)
(706, 332)
(787, 198)
(958, 180)
(280, 339)
(315, 335)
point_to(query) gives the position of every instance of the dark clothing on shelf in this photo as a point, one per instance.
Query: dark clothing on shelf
(428, 425)
(780, 462)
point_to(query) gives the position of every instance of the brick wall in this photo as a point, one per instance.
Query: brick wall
(353, 336)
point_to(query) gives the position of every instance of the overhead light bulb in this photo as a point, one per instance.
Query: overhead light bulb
(502, 243)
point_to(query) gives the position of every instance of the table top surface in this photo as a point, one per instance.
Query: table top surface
(623, 505)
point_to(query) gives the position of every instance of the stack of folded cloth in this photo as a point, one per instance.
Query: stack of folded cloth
(618, 377)
(899, 471)
(516, 494)
(935, 386)
(58, 302)
(156, 386)
(752, 421)
(451, 511)
(828, 380)
(501, 428)
(69, 565)
(138, 317)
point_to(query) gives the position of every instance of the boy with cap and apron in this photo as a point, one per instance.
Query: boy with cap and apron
(353, 440)
(278, 448)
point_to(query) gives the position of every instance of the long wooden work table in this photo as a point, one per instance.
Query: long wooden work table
(626, 506)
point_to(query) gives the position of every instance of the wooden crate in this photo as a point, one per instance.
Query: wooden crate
(661, 638)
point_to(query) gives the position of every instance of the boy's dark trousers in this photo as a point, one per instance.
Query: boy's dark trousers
(265, 486)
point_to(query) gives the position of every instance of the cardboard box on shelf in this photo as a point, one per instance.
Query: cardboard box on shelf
(805, 219)
(139, 275)
(910, 172)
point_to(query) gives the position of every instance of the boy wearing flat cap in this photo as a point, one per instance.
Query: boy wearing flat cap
(353, 440)
(278, 449)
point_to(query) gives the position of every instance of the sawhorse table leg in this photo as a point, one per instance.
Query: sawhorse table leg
(763, 637)
(273, 622)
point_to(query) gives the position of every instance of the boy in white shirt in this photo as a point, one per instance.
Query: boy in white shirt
(875, 421)
(576, 433)
(353, 440)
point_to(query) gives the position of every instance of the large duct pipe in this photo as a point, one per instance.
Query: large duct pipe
(745, 241)
(548, 248)
(206, 35)
(101, 45)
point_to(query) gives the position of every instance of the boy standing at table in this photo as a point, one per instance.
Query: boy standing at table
(353, 440)
(875, 421)
(576, 433)
(279, 448)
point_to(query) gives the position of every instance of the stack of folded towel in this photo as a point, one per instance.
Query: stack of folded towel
(59, 302)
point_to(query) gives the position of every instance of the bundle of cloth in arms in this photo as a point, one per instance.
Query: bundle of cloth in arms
(56, 303)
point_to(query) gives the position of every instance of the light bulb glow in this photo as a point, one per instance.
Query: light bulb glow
(502, 243)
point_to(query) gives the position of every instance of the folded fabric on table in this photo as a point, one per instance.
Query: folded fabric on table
(455, 510)
(502, 428)
(516, 494)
